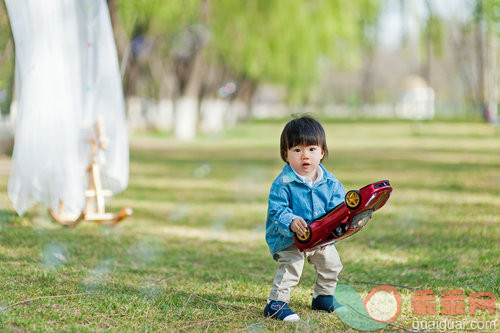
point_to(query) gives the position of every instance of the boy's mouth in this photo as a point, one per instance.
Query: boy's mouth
(305, 165)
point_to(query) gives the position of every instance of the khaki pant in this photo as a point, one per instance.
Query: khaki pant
(326, 262)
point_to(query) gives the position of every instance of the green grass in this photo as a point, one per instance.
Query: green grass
(193, 256)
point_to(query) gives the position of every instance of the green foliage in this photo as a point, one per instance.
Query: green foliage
(157, 17)
(7, 59)
(5, 34)
(368, 19)
(261, 40)
(492, 16)
(282, 41)
(193, 256)
(434, 31)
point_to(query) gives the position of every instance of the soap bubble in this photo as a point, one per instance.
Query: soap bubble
(228, 89)
(220, 220)
(53, 256)
(143, 252)
(202, 171)
(180, 213)
(97, 276)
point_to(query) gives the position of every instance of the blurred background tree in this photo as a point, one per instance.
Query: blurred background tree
(312, 52)
(256, 41)
(487, 25)
(6, 61)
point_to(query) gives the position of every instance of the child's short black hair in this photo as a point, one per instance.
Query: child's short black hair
(304, 130)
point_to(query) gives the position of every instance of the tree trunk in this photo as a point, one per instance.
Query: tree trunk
(129, 64)
(367, 78)
(491, 80)
(481, 57)
(186, 107)
(466, 74)
(487, 67)
(121, 39)
(427, 70)
(190, 72)
(246, 92)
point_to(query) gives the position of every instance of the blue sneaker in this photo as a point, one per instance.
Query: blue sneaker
(281, 311)
(325, 303)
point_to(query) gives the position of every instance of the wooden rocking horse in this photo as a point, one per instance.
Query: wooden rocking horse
(95, 206)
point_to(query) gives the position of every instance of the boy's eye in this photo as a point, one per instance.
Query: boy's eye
(312, 148)
(297, 150)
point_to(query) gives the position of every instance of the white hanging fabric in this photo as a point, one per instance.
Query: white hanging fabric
(67, 75)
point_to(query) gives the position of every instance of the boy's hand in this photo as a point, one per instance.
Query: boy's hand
(299, 226)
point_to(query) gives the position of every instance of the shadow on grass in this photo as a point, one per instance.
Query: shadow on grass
(430, 257)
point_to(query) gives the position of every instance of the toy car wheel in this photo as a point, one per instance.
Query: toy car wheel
(306, 237)
(352, 199)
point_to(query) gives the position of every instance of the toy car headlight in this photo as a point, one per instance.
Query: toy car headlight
(360, 220)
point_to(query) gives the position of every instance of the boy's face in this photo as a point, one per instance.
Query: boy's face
(305, 159)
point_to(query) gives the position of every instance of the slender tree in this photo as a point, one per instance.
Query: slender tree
(432, 40)
(487, 33)
(6, 61)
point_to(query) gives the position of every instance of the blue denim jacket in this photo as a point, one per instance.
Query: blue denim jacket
(290, 197)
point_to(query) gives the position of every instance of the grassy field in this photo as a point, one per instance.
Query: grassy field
(193, 256)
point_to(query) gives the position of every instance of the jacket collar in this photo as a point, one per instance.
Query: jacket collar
(290, 176)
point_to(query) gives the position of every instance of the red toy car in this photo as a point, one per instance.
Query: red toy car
(346, 218)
